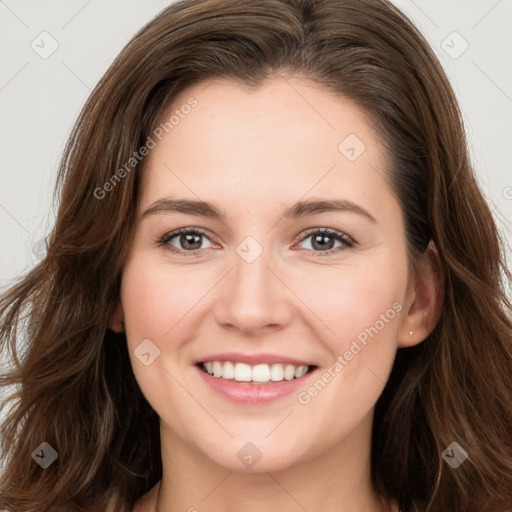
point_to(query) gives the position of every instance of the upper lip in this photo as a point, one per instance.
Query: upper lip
(253, 359)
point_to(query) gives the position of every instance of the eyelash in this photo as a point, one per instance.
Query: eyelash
(332, 233)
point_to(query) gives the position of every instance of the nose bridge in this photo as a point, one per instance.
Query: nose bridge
(253, 297)
(252, 277)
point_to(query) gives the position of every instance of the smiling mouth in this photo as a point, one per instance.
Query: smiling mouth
(255, 374)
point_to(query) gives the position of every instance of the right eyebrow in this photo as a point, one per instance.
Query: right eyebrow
(200, 208)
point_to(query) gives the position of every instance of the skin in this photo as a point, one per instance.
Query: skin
(252, 153)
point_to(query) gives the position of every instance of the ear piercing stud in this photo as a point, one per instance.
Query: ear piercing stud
(410, 334)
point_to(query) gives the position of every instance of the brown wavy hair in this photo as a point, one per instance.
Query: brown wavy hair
(71, 383)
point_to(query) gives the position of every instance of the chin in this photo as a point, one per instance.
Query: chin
(254, 457)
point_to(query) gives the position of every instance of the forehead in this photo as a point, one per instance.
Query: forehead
(285, 139)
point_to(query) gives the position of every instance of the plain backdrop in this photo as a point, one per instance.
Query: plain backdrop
(54, 52)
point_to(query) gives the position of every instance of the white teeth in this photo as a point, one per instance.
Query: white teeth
(228, 370)
(259, 373)
(300, 371)
(217, 369)
(276, 373)
(242, 372)
(289, 372)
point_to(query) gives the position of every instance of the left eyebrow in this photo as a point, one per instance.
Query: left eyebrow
(300, 209)
(315, 207)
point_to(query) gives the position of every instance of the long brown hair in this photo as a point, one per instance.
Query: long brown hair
(72, 383)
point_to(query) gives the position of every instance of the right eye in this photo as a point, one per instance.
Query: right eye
(190, 240)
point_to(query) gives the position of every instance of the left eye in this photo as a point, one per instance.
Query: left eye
(323, 240)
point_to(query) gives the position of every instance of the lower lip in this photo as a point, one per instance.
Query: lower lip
(253, 393)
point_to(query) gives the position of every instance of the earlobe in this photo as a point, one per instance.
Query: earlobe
(116, 323)
(424, 308)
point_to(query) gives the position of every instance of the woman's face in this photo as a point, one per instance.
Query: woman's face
(320, 286)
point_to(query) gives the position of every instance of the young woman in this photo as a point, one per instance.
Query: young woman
(273, 283)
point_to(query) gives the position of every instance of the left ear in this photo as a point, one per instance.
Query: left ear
(116, 322)
(425, 299)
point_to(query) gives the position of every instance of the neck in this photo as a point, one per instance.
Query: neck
(338, 478)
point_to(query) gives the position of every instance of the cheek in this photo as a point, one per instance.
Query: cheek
(155, 298)
(156, 304)
(359, 313)
(348, 301)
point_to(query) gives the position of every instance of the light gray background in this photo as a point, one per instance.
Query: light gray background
(41, 97)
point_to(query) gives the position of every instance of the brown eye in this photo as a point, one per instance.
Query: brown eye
(185, 240)
(324, 240)
(190, 241)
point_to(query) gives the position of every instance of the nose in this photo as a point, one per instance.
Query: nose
(253, 298)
